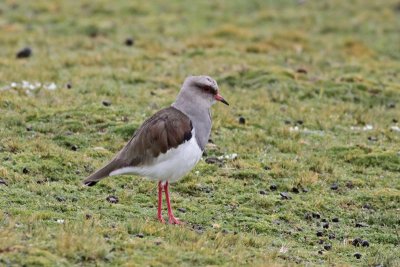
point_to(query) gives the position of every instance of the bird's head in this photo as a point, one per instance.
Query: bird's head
(202, 90)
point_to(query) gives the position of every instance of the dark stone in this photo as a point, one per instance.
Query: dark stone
(367, 206)
(321, 241)
(3, 182)
(25, 170)
(273, 187)
(349, 185)
(88, 216)
(106, 103)
(320, 233)
(295, 190)
(334, 186)
(395, 121)
(74, 147)
(335, 220)
(327, 246)
(214, 160)
(299, 122)
(285, 195)
(140, 235)
(320, 252)
(68, 85)
(24, 53)
(242, 120)
(357, 242)
(357, 255)
(29, 128)
(301, 70)
(360, 224)
(287, 122)
(183, 210)
(263, 192)
(307, 216)
(129, 41)
(198, 228)
(305, 190)
(112, 199)
(323, 220)
(391, 105)
(316, 215)
(60, 198)
(365, 243)
(331, 236)
(325, 225)
(372, 138)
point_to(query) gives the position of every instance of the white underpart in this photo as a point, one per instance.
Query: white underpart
(170, 166)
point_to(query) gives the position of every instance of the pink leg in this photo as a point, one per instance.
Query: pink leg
(159, 212)
(171, 217)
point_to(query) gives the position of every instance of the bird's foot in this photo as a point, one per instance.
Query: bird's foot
(160, 219)
(173, 220)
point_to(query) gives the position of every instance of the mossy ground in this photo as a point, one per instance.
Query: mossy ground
(329, 68)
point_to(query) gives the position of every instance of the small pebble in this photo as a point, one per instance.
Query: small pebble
(305, 190)
(360, 224)
(331, 236)
(68, 85)
(372, 138)
(307, 216)
(295, 190)
(328, 247)
(320, 233)
(129, 41)
(74, 147)
(29, 128)
(285, 195)
(335, 220)
(391, 105)
(334, 186)
(106, 103)
(325, 225)
(24, 53)
(365, 243)
(3, 182)
(320, 252)
(299, 122)
(25, 170)
(316, 215)
(157, 243)
(88, 216)
(242, 120)
(395, 120)
(301, 70)
(287, 122)
(323, 220)
(140, 235)
(60, 198)
(112, 199)
(357, 242)
(263, 192)
(349, 185)
(183, 210)
(273, 187)
(321, 241)
(367, 206)
(357, 255)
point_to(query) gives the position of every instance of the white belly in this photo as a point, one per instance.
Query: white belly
(170, 166)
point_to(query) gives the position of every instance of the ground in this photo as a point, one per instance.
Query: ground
(316, 177)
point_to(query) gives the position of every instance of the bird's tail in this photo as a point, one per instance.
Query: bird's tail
(92, 179)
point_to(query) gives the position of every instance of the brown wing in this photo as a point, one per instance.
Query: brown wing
(166, 129)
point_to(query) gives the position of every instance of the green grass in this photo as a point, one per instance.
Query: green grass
(254, 49)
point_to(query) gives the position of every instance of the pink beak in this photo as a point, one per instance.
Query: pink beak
(219, 97)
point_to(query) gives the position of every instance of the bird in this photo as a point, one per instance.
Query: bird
(170, 143)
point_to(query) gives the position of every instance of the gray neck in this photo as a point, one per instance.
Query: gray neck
(200, 117)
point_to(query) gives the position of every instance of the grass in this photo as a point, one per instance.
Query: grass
(317, 83)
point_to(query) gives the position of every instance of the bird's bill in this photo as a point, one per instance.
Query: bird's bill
(219, 97)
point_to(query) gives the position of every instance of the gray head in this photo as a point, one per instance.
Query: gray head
(201, 91)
